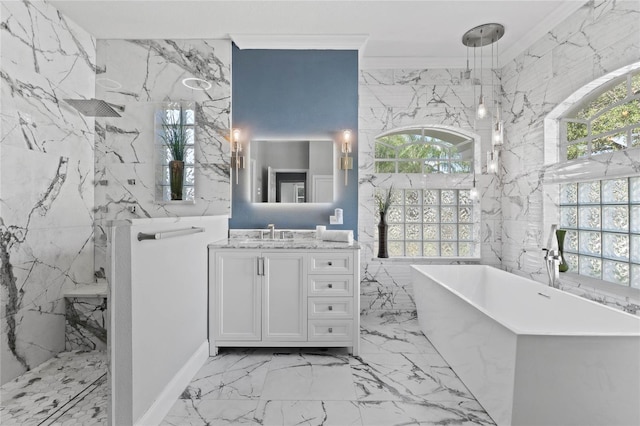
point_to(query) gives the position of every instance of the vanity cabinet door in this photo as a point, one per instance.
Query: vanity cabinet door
(284, 315)
(237, 296)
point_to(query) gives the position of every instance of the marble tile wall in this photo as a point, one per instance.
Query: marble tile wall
(140, 75)
(85, 323)
(599, 38)
(393, 98)
(46, 179)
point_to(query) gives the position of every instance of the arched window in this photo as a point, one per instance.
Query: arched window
(591, 165)
(423, 150)
(606, 121)
(437, 216)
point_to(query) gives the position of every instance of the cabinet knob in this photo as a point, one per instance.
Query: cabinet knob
(330, 308)
(330, 285)
(330, 330)
(330, 263)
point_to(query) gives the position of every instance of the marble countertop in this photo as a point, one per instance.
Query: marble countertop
(288, 244)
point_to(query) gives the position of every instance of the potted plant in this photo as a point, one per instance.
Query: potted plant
(384, 202)
(175, 138)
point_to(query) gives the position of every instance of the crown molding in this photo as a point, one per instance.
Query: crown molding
(300, 41)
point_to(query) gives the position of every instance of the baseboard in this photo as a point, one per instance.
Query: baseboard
(160, 408)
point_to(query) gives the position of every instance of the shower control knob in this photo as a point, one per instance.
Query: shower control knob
(330, 285)
(330, 308)
(330, 330)
(330, 263)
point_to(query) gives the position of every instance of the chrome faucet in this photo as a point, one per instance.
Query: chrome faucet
(552, 258)
(272, 231)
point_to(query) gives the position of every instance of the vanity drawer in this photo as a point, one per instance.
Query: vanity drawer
(330, 285)
(330, 307)
(331, 263)
(325, 330)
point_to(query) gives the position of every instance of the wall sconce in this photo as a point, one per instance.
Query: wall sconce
(237, 160)
(346, 162)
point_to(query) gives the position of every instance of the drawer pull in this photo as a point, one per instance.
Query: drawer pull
(330, 308)
(330, 285)
(330, 263)
(330, 330)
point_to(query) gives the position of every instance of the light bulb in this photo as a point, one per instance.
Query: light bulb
(498, 133)
(482, 108)
(346, 141)
(473, 193)
(492, 162)
(236, 135)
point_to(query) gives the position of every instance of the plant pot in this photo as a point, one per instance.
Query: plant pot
(563, 266)
(382, 237)
(176, 178)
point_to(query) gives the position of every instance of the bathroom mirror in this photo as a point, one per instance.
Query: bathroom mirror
(291, 171)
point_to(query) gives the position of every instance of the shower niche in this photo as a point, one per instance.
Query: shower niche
(175, 153)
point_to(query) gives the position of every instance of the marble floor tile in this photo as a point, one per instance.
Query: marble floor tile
(391, 413)
(398, 379)
(208, 412)
(309, 413)
(41, 395)
(88, 408)
(309, 377)
(392, 332)
(233, 374)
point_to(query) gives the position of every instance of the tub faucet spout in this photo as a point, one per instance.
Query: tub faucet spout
(552, 259)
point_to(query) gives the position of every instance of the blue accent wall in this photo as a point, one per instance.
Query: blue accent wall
(295, 94)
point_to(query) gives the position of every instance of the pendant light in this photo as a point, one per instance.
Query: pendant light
(481, 36)
(497, 136)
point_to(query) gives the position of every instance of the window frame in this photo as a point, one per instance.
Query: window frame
(161, 162)
(440, 181)
(632, 232)
(401, 207)
(558, 170)
(583, 103)
(449, 159)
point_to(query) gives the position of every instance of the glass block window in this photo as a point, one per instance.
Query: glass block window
(430, 223)
(602, 219)
(423, 150)
(607, 122)
(175, 113)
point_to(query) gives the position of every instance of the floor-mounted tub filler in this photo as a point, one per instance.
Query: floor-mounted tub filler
(531, 354)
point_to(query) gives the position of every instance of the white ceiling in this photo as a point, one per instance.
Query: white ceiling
(390, 33)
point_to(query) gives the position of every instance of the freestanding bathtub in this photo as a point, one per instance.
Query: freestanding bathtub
(531, 354)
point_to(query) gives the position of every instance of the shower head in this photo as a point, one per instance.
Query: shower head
(95, 107)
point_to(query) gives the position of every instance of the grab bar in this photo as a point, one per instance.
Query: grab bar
(169, 234)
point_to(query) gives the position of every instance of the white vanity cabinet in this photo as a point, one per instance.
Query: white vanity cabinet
(258, 296)
(283, 297)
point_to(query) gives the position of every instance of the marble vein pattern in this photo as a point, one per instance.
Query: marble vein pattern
(86, 323)
(71, 389)
(395, 98)
(598, 38)
(399, 378)
(46, 175)
(142, 75)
